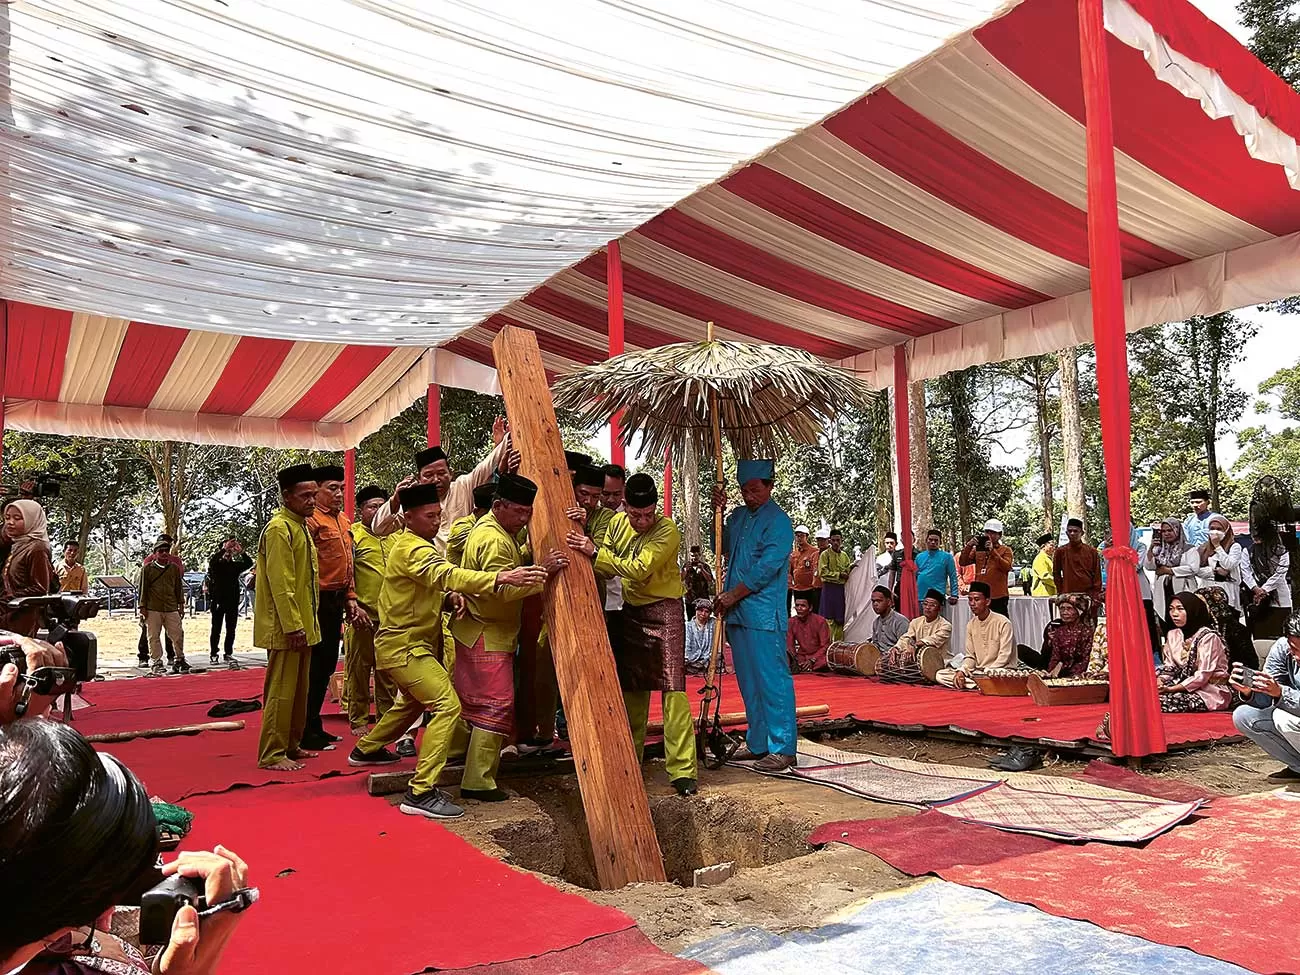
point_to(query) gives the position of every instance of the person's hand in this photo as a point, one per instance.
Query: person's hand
(498, 430)
(576, 514)
(522, 576)
(720, 497)
(297, 640)
(1266, 684)
(1235, 677)
(581, 543)
(1260, 594)
(361, 619)
(724, 601)
(406, 482)
(960, 679)
(38, 654)
(554, 562)
(196, 946)
(458, 605)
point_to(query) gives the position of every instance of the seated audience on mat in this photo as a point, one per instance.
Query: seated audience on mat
(1041, 582)
(1227, 620)
(989, 643)
(1067, 642)
(992, 561)
(806, 639)
(833, 568)
(77, 837)
(889, 625)
(1271, 715)
(922, 651)
(1195, 671)
(699, 638)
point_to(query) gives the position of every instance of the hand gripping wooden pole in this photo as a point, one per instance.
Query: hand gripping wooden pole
(613, 794)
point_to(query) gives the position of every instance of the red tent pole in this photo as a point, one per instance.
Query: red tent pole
(668, 482)
(4, 366)
(909, 605)
(434, 418)
(1136, 725)
(350, 483)
(614, 293)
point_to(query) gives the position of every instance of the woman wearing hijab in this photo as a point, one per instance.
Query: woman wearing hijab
(1265, 575)
(1174, 563)
(1195, 672)
(1220, 559)
(29, 570)
(1227, 620)
(1067, 642)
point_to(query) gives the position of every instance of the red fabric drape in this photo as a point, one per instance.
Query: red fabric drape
(350, 483)
(909, 605)
(434, 416)
(4, 368)
(1136, 728)
(614, 295)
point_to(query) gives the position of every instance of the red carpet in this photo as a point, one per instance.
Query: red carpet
(1215, 885)
(141, 693)
(939, 707)
(350, 884)
(625, 953)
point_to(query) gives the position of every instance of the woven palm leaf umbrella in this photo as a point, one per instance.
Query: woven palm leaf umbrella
(689, 395)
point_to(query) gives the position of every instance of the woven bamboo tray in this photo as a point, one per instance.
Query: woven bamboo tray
(1002, 683)
(1050, 694)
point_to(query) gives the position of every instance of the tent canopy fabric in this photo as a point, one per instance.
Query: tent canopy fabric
(257, 181)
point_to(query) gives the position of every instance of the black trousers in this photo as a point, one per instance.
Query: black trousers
(325, 655)
(1001, 605)
(227, 611)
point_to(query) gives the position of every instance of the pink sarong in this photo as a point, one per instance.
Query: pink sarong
(485, 684)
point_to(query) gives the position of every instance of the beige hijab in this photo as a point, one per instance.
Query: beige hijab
(33, 527)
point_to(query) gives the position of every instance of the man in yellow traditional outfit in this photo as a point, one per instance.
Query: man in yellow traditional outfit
(641, 547)
(369, 554)
(284, 619)
(833, 568)
(486, 634)
(461, 527)
(409, 647)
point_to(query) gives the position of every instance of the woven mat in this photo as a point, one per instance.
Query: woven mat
(873, 780)
(1071, 817)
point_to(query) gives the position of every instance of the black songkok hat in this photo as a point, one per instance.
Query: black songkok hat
(1072, 522)
(934, 594)
(417, 495)
(428, 456)
(577, 461)
(483, 495)
(516, 489)
(641, 491)
(369, 493)
(328, 472)
(885, 591)
(589, 476)
(297, 474)
(981, 587)
(1044, 539)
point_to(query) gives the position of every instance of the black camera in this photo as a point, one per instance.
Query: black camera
(159, 904)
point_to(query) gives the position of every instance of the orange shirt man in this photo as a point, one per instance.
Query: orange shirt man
(338, 598)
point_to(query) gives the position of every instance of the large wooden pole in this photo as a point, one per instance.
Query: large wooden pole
(614, 300)
(909, 606)
(613, 794)
(433, 416)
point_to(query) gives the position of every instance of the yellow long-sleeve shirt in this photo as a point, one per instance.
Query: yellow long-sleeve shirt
(287, 586)
(369, 555)
(646, 563)
(416, 580)
(834, 566)
(457, 536)
(495, 616)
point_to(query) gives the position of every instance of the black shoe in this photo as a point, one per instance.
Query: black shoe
(686, 787)
(360, 759)
(434, 804)
(180, 667)
(317, 743)
(485, 795)
(1284, 774)
(328, 737)
(213, 660)
(406, 747)
(1019, 759)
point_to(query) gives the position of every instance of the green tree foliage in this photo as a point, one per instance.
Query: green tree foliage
(1273, 452)
(1274, 35)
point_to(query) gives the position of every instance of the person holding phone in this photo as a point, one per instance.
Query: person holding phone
(1271, 715)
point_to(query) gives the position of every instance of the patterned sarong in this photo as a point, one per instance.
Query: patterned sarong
(651, 655)
(485, 684)
(832, 602)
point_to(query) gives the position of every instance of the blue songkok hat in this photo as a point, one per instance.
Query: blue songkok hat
(750, 470)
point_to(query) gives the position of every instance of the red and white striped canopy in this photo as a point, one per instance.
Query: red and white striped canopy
(943, 211)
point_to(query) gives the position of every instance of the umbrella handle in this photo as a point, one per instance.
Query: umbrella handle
(718, 632)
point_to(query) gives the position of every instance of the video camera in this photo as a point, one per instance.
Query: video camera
(159, 904)
(45, 485)
(61, 614)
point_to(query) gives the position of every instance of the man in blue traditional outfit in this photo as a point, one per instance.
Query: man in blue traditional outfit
(758, 540)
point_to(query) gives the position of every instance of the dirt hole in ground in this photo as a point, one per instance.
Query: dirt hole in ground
(694, 832)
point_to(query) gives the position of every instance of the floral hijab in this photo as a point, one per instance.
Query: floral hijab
(1170, 554)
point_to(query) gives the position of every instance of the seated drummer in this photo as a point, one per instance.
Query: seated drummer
(989, 643)
(922, 651)
(806, 639)
(890, 624)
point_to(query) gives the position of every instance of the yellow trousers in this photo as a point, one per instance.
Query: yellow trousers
(423, 685)
(482, 760)
(358, 666)
(837, 631)
(284, 705)
(679, 730)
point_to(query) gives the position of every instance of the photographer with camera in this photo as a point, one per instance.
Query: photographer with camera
(992, 561)
(1271, 715)
(77, 837)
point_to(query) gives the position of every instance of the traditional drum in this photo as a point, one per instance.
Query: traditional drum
(852, 658)
(907, 665)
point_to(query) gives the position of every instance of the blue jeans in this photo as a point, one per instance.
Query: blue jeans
(763, 674)
(1272, 729)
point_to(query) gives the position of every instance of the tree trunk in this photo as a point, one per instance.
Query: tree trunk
(963, 431)
(882, 466)
(1072, 434)
(922, 503)
(690, 480)
(1044, 431)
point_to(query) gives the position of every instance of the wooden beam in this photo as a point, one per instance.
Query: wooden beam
(184, 729)
(613, 795)
(733, 718)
